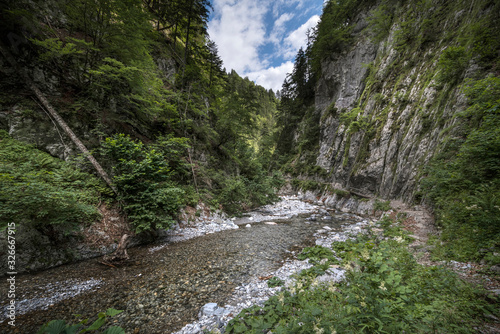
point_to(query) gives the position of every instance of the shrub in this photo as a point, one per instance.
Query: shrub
(45, 192)
(143, 177)
(274, 282)
(452, 64)
(61, 327)
(238, 193)
(380, 22)
(354, 120)
(463, 182)
(382, 205)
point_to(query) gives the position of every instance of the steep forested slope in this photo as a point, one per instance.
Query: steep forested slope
(142, 86)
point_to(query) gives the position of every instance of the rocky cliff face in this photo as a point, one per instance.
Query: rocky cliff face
(399, 111)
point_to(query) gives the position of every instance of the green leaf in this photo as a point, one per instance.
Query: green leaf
(72, 329)
(239, 328)
(114, 330)
(53, 327)
(96, 325)
(112, 312)
(316, 311)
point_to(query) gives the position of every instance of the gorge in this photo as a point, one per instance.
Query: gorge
(390, 100)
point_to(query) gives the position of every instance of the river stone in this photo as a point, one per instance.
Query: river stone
(495, 269)
(248, 225)
(333, 274)
(219, 311)
(208, 309)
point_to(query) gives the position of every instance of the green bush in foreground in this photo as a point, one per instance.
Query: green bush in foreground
(385, 291)
(44, 192)
(61, 327)
(144, 176)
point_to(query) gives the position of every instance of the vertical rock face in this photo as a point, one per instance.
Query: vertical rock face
(401, 108)
(340, 87)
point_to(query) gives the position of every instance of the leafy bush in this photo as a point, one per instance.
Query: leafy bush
(144, 180)
(274, 282)
(61, 327)
(334, 31)
(238, 193)
(354, 120)
(382, 205)
(306, 185)
(380, 22)
(44, 192)
(452, 64)
(316, 254)
(406, 34)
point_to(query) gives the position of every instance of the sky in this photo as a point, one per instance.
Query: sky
(259, 39)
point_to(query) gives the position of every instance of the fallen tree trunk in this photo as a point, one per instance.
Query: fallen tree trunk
(120, 254)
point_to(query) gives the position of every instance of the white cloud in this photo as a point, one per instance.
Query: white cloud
(298, 38)
(276, 35)
(272, 77)
(279, 4)
(239, 30)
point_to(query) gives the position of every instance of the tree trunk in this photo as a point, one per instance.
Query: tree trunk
(102, 173)
(120, 254)
(187, 39)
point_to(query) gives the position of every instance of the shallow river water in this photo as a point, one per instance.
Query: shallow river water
(161, 291)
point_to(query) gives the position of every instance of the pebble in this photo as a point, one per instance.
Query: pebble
(256, 292)
(167, 287)
(49, 294)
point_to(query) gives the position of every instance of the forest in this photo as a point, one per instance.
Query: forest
(156, 106)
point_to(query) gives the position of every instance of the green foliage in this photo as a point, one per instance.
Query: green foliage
(484, 37)
(44, 192)
(354, 120)
(452, 64)
(240, 193)
(61, 327)
(119, 28)
(56, 49)
(330, 111)
(306, 185)
(316, 253)
(274, 282)
(144, 180)
(380, 22)
(334, 31)
(464, 181)
(296, 113)
(406, 33)
(145, 68)
(382, 205)
(385, 291)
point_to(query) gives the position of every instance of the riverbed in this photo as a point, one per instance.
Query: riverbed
(164, 285)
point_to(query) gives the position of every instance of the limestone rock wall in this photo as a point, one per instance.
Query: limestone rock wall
(403, 109)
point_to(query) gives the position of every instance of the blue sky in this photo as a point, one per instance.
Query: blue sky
(259, 39)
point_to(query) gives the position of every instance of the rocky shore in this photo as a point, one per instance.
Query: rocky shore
(213, 318)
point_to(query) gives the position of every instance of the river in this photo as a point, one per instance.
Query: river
(160, 291)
